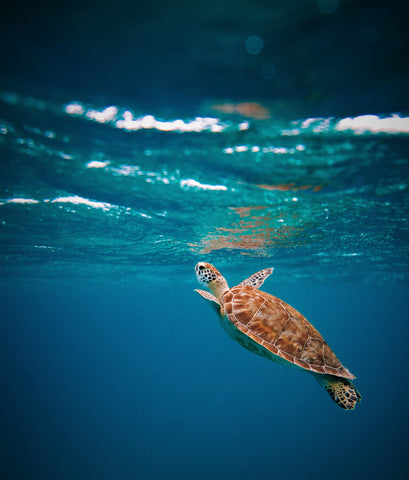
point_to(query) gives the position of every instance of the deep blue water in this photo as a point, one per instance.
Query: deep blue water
(141, 138)
(135, 381)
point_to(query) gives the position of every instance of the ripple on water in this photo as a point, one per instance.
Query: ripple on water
(107, 187)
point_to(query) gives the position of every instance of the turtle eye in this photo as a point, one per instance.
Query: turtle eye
(201, 267)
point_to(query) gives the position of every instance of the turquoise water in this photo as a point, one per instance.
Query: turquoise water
(138, 139)
(321, 198)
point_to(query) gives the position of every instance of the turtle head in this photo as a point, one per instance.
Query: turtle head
(208, 276)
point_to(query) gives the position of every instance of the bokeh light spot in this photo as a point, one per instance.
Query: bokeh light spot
(254, 44)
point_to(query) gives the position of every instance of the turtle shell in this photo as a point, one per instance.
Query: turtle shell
(281, 329)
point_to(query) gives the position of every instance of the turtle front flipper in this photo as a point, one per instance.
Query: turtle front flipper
(342, 391)
(257, 279)
(211, 299)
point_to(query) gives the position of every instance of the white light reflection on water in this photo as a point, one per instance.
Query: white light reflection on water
(127, 121)
(374, 124)
(70, 200)
(191, 183)
(76, 200)
(97, 164)
(73, 199)
(269, 149)
(30, 201)
(362, 124)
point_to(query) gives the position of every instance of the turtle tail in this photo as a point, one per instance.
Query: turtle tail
(342, 391)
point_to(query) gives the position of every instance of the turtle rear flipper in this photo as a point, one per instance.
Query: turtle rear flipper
(342, 391)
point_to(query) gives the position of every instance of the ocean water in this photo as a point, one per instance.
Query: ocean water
(135, 143)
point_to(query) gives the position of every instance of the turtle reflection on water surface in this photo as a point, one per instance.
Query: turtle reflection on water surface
(266, 325)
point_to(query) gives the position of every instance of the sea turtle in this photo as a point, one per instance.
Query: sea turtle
(266, 325)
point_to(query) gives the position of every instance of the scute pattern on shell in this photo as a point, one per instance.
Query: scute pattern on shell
(281, 329)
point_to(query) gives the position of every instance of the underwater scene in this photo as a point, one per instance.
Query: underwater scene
(139, 139)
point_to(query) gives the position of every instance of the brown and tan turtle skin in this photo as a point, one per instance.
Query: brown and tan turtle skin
(268, 326)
